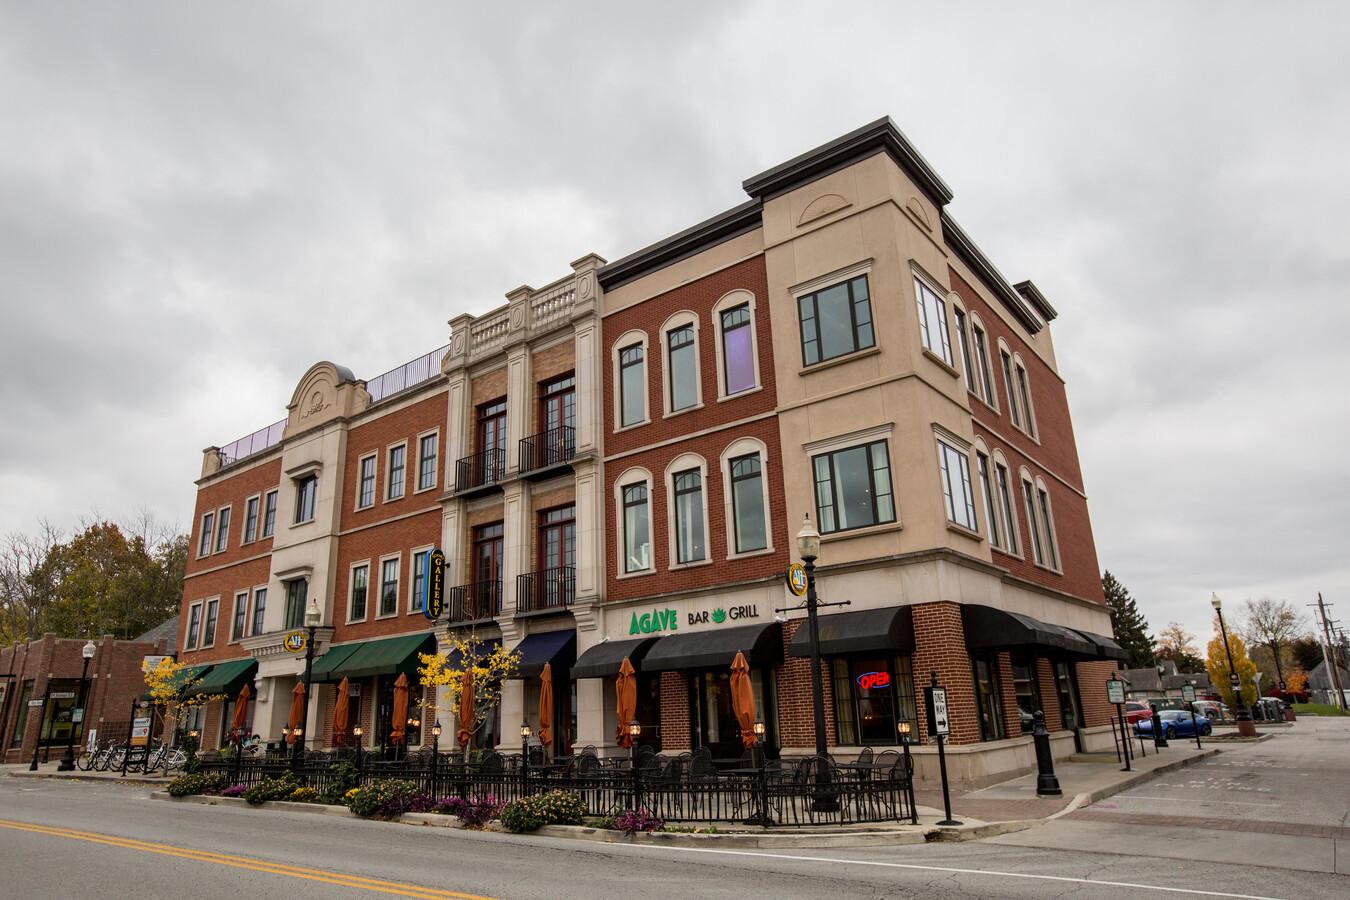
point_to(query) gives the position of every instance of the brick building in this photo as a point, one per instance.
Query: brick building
(49, 668)
(617, 465)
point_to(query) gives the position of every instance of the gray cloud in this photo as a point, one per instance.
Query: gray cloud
(196, 204)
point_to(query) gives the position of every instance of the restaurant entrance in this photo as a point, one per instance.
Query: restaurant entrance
(713, 720)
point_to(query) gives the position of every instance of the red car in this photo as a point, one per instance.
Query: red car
(1136, 710)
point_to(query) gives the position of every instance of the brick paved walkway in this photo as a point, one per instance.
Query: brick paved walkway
(1255, 826)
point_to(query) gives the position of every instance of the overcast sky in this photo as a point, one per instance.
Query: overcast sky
(196, 204)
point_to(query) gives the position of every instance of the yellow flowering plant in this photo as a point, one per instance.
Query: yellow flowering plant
(491, 663)
(172, 691)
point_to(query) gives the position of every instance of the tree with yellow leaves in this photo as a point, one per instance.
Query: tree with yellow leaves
(1216, 664)
(491, 663)
(172, 690)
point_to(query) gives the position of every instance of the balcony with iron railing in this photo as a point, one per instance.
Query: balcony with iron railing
(479, 601)
(541, 454)
(480, 473)
(545, 591)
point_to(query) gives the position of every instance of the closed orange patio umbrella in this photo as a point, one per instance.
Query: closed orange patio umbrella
(466, 712)
(625, 691)
(297, 717)
(240, 721)
(743, 699)
(397, 728)
(341, 713)
(546, 708)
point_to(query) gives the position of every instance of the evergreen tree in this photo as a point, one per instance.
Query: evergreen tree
(1128, 624)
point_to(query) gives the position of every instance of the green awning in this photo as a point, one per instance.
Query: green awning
(226, 678)
(389, 656)
(187, 674)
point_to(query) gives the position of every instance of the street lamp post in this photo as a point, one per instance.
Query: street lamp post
(808, 548)
(904, 728)
(634, 733)
(312, 619)
(357, 732)
(1240, 711)
(761, 817)
(524, 758)
(67, 763)
(435, 753)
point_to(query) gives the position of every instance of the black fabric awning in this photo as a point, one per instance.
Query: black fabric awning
(890, 630)
(1106, 647)
(716, 648)
(556, 647)
(603, 660)
(988, 628)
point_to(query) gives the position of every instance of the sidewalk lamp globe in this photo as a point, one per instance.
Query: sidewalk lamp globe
(89, 648)
(1215, 602)
(312, 615)
(808, 541)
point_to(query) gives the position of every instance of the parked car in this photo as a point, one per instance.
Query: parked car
(1136, 710)
(1175, 723)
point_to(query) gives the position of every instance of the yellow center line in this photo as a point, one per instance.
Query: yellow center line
(340, 879)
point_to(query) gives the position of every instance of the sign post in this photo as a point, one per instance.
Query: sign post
(1115, 695)
(433, 603)
(1188, 696)
(939, 726)
(42, 720)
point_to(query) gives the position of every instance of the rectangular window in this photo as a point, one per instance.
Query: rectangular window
(982, 360)
(194, 626)
(689, 541)
(933, 320)
(259, 609)
(1051, 552)
(872, 696)
(239, 624)
(250, 519)
(365, 484)
(21, 717)
(297, 591)
(987, 491)
(223, 529)
(738, 352)
(1005, 500)
(389, 587)
(835, 321)
(632, 385)
(426, 461)
(956, 491)
(1024, 394)
(964, 346)
(683, 368)
(853, 488)
(1033, 525)
(269, 514)
(397, 472)
(988, 702)
(637, 543)
(1008, 380)
(1027, 690)
(356, 610)
(306, 492)
(208, 532)
(747, 503)
(419, 580)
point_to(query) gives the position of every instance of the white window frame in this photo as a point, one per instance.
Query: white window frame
(379, 594)
(1028, 409)
(988, 505)
(257, 524)
(253, 608)
(389, 470)
(963, 351)
(635, 336)
(958, 446)
(1009, 389)
(234, 611)
(683, 463)
(1046, 507)
(351, 578)
(189, 642)
(682, 319)
(1025, 481)
(296, 482)
(222, 529)
(412, 572)
(1013, 546)
(206, 536)
(206, 604)
(943, 297)
(262, 519)
(736, 449)
(435, 462)
(731, 300)
(630, 477)
(375, 485)
(987, 391)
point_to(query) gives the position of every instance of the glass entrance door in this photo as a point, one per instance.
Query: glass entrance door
(1067, 688)
(715, 725)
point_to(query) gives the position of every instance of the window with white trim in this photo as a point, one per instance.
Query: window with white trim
(426, 461)
(269, 524)
(984, 375)
(1024, 395)
(297, 592)
(389, 586)
(194, 626)
(853, 487)
(259, 609)
(682, 367)
(1033, 521)
(398, 470)
(747, 503)
(222, 529)
(1048, 521)
(239, 623)
(417, 598)
(1013, 413)
(933, 320)
(250, 520)
(1005, 500)
(987, 492)
(356, 604)
(209, 628)
(632, 385)
(207, 534)
(637, 527)
(963, 344)
(365, 482)
(690, 537)
(738, 350)
(956, 491)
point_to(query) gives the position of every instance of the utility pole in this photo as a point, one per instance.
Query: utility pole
(1329, 654)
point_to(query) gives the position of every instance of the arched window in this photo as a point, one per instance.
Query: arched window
(984, 475)
(745, 484)
(680, 363)
(1047, 524)
(737, 344)
(979, 347)
(1007, 508)
(630, 380)
(1024, 394)
(633, 512)
(687, 510)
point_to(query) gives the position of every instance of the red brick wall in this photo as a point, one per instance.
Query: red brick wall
(675, 712)
(375, 435)
(1045, 679)
(223, 583)
(796, 717)
(400, 536)
(940, 645)
(547, 365)
(233, 491)
(1092, 690)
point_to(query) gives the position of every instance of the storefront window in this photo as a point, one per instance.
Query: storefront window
(21, 719)
(1068, 695)
(872, 696)
(59, 723)
(1027, 690)
(715, 725)
(987, 697)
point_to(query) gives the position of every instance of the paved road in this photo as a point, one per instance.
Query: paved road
(62, 840)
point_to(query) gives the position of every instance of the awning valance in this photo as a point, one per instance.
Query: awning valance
(1106, 647)
(888, 630)
(184, 677)
(716, 648)
(556, 647)
(988, 628)
(603, 660)
(226, 678)
(389, 656)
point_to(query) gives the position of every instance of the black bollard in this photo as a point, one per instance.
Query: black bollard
(1159, 740)
(1046, 782)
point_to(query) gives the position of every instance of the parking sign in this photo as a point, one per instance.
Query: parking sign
(1188, 693)
(1115, 691)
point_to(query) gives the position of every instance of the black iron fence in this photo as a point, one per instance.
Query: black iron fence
(547, 449)
(480, 470)
(546, 589)
(809, 791)
(476, 601)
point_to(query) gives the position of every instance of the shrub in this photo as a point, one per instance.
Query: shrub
(342, 778)
(632, 821)
(304, 795)
(601, 823)
(386, 798)
(553, 808)
(272, 789)
(234, 790)
(420, 803)
(187, 785)
(471, 813)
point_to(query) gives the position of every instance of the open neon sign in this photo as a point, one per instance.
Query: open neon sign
(871, 680)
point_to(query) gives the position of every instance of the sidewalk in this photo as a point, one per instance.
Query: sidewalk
(48, 770)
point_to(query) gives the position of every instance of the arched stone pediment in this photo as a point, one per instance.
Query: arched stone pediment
(326, 392)
(822, 206)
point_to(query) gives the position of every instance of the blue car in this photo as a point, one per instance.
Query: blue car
(1175, 723)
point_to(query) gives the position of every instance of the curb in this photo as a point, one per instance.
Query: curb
(1089, 797)
(92, 779)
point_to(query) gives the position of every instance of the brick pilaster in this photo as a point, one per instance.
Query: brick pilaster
(940, 645)
(675, 712)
